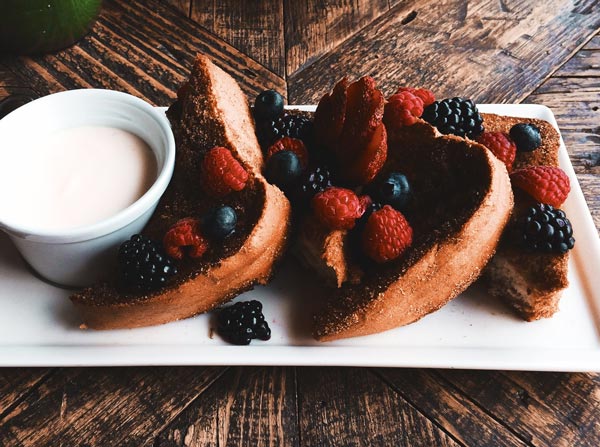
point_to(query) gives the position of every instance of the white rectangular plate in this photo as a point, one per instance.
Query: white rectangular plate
(38, 325)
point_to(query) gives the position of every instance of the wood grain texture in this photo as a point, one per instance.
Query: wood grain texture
(184, 6)
(248, 406)
(530, 409)
(150, 64)
(315, 27)
(100, 406)
(468, 48)
(452, 411)
(573, 94)
(16, 383)
(253, 27)
(352, 407)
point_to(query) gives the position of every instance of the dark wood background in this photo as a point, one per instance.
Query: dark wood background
(493, 51)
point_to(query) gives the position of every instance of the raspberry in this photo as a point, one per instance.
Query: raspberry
(546, 184)
(402, 109)
(222, 173)
(337, 208)
(386, 235)
(501, 146)
(365, 202)
(184, 238)
(290, 144)
(426, 95)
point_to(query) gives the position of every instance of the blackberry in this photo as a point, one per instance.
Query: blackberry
(286, 125)
(526, 136)
(242, 322)
(458, 116)
(142, 264)
(312, 182)
(546, 229)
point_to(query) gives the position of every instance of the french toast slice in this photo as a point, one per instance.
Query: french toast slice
(462, 201)
(211, 111)
(531, 283)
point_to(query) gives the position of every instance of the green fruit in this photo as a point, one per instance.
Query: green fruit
(39, 26)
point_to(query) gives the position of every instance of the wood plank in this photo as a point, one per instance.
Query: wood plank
(104, 406)
(352, 407)
(16, 383)
(247, 406)
(313, 28)
(109, 58)
(480, 49)
(453, 412)
(254, 28)
(183, 6)
(530, 411)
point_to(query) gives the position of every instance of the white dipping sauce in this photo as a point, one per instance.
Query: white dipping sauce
(75, 177)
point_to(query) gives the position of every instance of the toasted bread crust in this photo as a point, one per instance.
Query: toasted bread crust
(213, 111)
(437, 271)
(530, 283)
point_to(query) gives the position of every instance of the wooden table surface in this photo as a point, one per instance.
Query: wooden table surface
(493, 51)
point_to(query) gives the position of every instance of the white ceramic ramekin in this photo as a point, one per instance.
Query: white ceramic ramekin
(80, 256)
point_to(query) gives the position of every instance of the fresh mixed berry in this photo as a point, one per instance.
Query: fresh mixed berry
(222, 173)
(546, 229)
(242, 322)
(268, 105)
(458, 116)
(184, 239)
(285, 125)
(142, 265)
(501, 146)
(402, 109)
(290, 144)
(546, 184)
(423, 94)
(283, 169)
(337, 208)
(393, 189)
(386, 235)
(312, 182)
(220, 222)
(526, 136)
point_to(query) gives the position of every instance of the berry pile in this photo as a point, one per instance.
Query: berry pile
(285, 125)
(546, 229)
(458, 116)
(142, 265)
(241, 323)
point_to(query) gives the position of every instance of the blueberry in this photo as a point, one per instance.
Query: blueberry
(220, 222)
(393, 190)
(283, 169)
(268, 105)
(526, 136)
